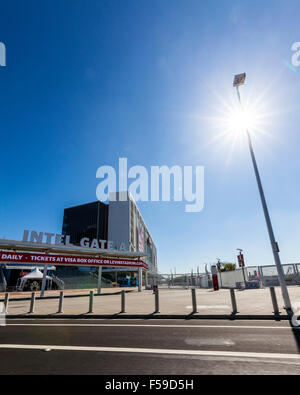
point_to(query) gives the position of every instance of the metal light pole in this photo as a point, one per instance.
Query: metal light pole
(238, 81)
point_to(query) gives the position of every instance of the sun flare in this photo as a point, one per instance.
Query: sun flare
(232, 120)
(240, 120)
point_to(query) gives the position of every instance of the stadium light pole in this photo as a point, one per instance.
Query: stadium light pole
(238, 81)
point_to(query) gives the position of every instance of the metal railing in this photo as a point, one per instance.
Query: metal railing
(250, 277)
(90, 305)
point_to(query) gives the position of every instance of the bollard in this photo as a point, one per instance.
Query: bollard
(99, 280)
(274, 301)
(123, 301)
(32, 303)
(140, 279)
(156, 302)
(194, 301)
(91, 301)
(233, 301)
(61, 302)
(6, 300)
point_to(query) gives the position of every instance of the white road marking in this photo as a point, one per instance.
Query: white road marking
(203, 341)
(155, 326)
(154, 351)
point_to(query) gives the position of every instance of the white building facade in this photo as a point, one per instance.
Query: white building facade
(125, 223)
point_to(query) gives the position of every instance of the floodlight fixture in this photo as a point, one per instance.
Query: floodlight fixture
(239, 80)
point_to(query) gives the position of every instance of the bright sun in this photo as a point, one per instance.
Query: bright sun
(234, 121)
(239, 120)
(231, 121)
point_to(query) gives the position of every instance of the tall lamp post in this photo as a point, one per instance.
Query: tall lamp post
(238, 81)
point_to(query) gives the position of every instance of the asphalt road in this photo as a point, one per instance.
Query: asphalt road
(138, 347)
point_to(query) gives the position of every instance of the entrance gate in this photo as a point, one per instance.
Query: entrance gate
(15, 252)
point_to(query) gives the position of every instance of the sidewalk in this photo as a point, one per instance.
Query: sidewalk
(172, 303)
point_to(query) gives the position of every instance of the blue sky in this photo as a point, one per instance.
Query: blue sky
(89, 82)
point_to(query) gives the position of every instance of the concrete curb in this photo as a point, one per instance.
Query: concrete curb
(150, 316)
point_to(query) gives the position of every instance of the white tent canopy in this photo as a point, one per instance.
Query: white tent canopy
(35, 274)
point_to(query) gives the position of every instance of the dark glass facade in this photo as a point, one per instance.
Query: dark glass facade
(87, 220)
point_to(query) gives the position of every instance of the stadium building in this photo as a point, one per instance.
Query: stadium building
(114, 231)
(119, 222)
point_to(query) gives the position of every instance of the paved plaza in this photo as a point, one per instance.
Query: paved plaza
(171, 302)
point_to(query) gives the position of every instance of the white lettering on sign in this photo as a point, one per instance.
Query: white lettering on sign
(12, 257)
(84, 242)
(69, 260)
(58, 239)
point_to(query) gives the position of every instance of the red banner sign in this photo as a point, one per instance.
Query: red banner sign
(65, 260)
